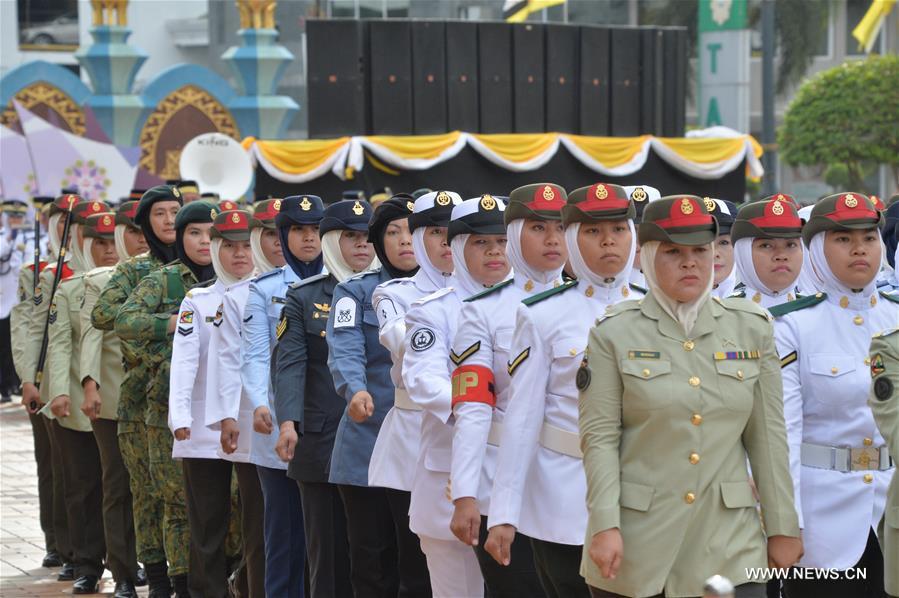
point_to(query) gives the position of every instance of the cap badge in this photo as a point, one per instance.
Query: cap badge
(277, 205)
(487, 202)
(443, 199)
(686, 207)
(777, 209)
(411, 206)
(235, 218)
(305, 205)
(107, 220)
(639, 194)
(358, 210)
(709, 203)
(780, 196)
(601, 192)
(213, 213)
(176, 193)
(851, 201)
(548, 193)
(71, 200)
(95, 207)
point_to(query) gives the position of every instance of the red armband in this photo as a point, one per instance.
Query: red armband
(473, 384)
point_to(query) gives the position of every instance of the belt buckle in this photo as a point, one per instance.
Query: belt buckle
(863, 459)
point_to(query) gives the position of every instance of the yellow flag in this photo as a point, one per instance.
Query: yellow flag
(867, 29)
(516, 11)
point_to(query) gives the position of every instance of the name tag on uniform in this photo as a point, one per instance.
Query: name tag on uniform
(731, 355)
(279, 300)
(643, 355)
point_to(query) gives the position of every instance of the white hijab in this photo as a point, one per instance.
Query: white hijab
(462, 278)
(333, 257)
(86, 256)
(262, 263)
(425, 265)
(830, 284)
(225, 277)
(745, 268)
(683, 313)
(542, 280)
(78, 263)
(119, 242)
(53, 233)
(583, 271)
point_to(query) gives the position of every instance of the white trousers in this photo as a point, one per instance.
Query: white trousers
(453, 568)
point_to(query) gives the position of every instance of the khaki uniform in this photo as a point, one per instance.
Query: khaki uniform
(666, 422)
(884, 403)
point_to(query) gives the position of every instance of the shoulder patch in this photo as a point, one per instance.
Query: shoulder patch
(485, 292)
(345, 313)
(309, 280)
(891, 296)
(791, 306)
(435, 295)
(549, 293)
(638, 288)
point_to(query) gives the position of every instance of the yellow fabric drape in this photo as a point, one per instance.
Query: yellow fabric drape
(297, 157)
(609, 151)
(518, 147)
(424, 147)
(706, 150)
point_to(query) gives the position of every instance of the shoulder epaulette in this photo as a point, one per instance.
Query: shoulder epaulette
(619, 308)
(742, 304)
(887, 332)
(308, 280)
(435, 295)
(204, 284)
(392, 281)
(638, 288)
(529, 301)
(741, 294)
(891, 296)
(363, 274)
(268, 274)
(791, 306)
(485, 292)
(99, 270)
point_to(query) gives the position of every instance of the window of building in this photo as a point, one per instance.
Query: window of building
(48, 25)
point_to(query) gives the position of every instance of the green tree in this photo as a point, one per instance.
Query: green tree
(846, 117)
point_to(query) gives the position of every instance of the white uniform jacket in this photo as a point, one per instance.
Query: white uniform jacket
(540, 486)
(826, 376)
(396, 450)
(199, 313)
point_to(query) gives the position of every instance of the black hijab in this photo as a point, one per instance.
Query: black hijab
(397, 207)
(193, 213)
(163, 252)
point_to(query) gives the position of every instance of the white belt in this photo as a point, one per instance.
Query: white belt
(401, 400)
(496, 433)
(561, 441)
(845, 459)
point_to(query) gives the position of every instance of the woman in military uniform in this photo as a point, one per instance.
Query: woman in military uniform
(81, 459)
(305, 399)
(207, 478)
(539, 486)
(477, 237)
(482, 352)
(840, 462)
(768, 251)
(675, 391)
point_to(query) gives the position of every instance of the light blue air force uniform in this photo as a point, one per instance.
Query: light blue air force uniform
(358, 361)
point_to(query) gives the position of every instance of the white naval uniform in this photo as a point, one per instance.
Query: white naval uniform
(485, 331)
(226, 397)
(396, 450)
(16, 251)
(542, 491)
(198, 314)
(427, 369)
(825, 403)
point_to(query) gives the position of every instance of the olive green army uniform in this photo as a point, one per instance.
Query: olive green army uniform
(101, 361)
(147, 505)
(884, 402)
(666, 421)
(145, 318)
(81, 458)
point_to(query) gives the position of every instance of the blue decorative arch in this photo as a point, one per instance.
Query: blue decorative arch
(180, 75)
(38, 71)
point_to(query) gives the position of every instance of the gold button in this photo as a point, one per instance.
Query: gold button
(689, 498)
(322, 333)
(834, 370)
(315, 315)
(694, 381)
(572, 351)
(867, 361)
(694, 458)
(689, 345)
(844, 302)
(858, 320)
(625, 292)
(646, 373)
(868, 441)
(873, 300)
(868, 478)
(696, 419)
(739, 374)
(589, 291)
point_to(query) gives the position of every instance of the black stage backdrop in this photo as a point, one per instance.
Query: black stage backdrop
(471, 175)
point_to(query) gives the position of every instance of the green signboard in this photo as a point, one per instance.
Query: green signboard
(720, 15)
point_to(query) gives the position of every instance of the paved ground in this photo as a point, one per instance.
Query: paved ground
(21, 540)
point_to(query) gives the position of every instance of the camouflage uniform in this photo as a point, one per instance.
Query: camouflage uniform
(148, 505)
(145, 318)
